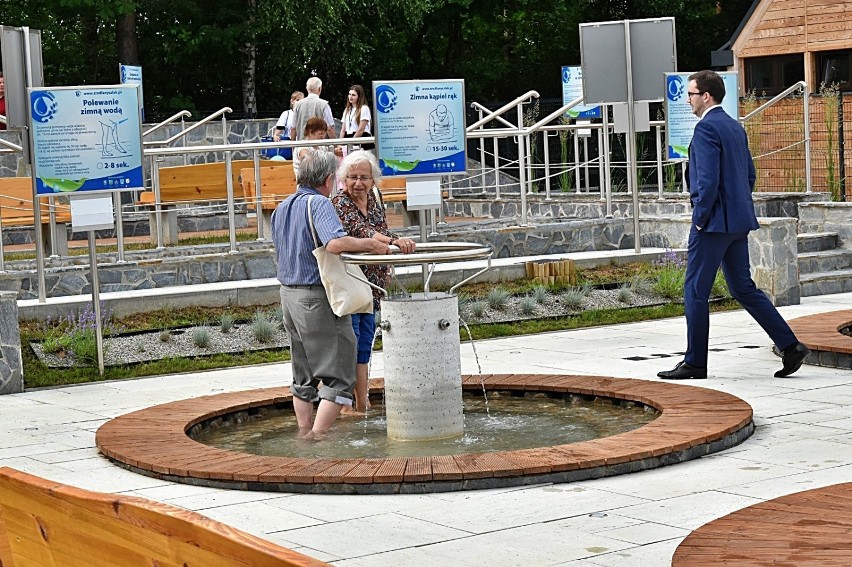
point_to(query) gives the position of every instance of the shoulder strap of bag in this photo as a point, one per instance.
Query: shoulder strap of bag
(378, 195)
(311, 222)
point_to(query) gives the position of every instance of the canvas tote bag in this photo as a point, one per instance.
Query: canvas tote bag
(347, 294)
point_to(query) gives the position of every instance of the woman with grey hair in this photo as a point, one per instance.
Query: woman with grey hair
(322, 345)
(362, 212)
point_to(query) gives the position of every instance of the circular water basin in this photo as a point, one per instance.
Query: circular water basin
(502, 423)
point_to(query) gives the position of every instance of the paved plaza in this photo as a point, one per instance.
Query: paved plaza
(802, 441)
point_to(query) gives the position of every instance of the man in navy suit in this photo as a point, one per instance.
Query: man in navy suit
(721, 180)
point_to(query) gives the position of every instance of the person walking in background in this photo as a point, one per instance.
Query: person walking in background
(322, 345)
(309, 107)
(357, 120)
(721, 180)
(285, 121)
(362, 212)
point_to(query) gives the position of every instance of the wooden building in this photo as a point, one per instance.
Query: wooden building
(780, 42)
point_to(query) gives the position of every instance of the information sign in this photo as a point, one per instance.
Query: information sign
(572, 88)
(132, 75)
(680, 121)
(420, 127)
(86, 138)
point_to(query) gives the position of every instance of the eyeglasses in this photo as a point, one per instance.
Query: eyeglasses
(361, 178)
(699, 93)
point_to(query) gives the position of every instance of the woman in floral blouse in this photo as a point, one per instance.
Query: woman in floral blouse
(362, 213)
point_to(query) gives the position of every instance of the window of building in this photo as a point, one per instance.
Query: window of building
(833, 67)
(771, 75)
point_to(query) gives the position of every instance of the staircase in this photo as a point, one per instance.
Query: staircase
(824, 267)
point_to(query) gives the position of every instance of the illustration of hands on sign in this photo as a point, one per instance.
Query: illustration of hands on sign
(441, 124)
(109, 137)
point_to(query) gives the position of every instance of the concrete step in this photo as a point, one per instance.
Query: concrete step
(824, 283)
(816, 241)
(824, 261)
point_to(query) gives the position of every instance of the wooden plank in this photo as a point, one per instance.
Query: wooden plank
(54, 524)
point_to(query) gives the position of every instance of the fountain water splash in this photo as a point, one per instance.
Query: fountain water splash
(478, 366)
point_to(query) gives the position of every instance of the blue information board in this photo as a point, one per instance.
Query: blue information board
(132, 75)
(572, 88)
(420, 127)
(680, 121)
(86, 138)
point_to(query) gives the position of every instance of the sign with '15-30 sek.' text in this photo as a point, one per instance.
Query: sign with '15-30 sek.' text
(420, 127)
(86, 138)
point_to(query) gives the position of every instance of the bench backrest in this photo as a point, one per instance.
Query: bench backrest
(202, 181)
(52, 524)
(16, 201)
(276, 184)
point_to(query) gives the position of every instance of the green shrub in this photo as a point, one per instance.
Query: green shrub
(641, 285)
(720, 286)
(540, 294)
(625, 295)
(478, 308)
(669, 282)
(497, 298)
(574, 298)
(226, 322)
(263, 329)
(528, 305)
(201, 337)
(165, 336)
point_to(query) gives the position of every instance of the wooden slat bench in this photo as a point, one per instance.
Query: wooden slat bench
(16, 209)
(197, 183)
(276, 184)
(45, 523)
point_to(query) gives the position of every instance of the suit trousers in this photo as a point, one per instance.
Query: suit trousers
(706, 252)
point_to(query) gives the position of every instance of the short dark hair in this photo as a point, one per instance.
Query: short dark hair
(709, 82)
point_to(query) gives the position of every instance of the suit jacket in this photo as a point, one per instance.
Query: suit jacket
(721, 175)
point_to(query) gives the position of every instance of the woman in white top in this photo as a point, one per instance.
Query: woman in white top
(357, 120)
(285, 121)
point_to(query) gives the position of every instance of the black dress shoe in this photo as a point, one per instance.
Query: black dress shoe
(683, 371)
(792, 359)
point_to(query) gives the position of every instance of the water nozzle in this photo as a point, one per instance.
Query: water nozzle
(443, 324)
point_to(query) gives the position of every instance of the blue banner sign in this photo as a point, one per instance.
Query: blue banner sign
(420, 127)
(680, 121)
(132, 75)
(572, 88)
(86, 138)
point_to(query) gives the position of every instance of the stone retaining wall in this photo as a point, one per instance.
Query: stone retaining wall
(11, 364)
(828, 217)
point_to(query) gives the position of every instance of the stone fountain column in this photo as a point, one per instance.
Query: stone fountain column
(423, 391)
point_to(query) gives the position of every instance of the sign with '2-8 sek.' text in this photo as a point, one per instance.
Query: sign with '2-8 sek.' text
(420, 127)
(86, 138)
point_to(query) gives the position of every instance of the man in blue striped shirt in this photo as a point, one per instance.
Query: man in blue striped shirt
(322, 345)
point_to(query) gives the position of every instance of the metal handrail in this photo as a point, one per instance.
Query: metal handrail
(11, 145)
(182, 133)
(477, 106)
(801, 85)
(166, 122)
(508, 106)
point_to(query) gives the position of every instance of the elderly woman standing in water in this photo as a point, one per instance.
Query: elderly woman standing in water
(362, 212)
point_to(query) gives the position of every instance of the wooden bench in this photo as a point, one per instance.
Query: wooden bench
(276, 184)
(187, 184)
(16, 209)
(45, 523)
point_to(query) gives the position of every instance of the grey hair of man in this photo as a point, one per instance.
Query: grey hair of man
(315, 167)
(314, 85)
(360, 156)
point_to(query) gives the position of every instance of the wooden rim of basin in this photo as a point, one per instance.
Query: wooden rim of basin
(822, 332)
(693, 422)
(806, 528)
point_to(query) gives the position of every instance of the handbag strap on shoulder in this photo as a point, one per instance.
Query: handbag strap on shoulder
(311, 222)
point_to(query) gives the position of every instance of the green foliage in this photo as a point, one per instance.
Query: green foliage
(625, 295)
(263, 327)
(497, 298)
(831, 101)
(201, 337)
(226, 322)
(540, 294)
(574, 298)
(528, 305)
(478, 308)
(165, 336)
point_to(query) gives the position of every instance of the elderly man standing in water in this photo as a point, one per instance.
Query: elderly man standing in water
(322, 345)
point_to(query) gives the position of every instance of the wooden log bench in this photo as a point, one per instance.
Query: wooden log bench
(46, 523)
(191, 184)
(16, 209)
(276, 184)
